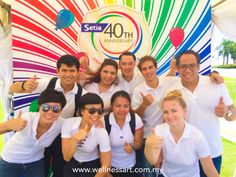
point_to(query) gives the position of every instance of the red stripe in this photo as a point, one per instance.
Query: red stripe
(91, 4)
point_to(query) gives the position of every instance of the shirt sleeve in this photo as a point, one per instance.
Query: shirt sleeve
(103, 140)
(225, 94)
(203, 149)
(66, 128)
(43, 83)
(136, 99)
(138, 122)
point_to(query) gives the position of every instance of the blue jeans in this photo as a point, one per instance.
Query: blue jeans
(217, 161)
(34, 169)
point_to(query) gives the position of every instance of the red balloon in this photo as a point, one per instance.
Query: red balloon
(176, 36)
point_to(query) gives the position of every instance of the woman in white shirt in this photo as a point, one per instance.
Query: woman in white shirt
(86, 148)
(105, 82)
(180, 144)
(125, 136)
(23, 153)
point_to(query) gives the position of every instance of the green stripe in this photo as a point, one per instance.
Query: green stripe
(147, 8)
(164, 18)
(182, 22)
(129, 3)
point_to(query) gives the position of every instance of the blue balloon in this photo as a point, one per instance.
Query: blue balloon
(64, 19)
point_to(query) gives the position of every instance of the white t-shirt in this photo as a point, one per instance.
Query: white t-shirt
(69, 109)
(24, 147)
(118, 137)
(153, 114)
(130, 86)
(97, 137)
(181, 159)
(106, 96)
(201, 109)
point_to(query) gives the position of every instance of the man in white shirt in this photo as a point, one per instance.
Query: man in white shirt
(68, 71)
(23, 153)
(128, 77)
(206, 102)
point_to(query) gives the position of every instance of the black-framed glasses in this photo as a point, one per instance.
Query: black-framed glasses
(46, 107)
(190, 66)
(94, 110)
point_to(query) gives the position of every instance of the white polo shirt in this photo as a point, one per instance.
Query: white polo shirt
(118, 137)
(69, 109)
(201, 109)
(181, 159)
(24, 147)
(130, 86)
(97, 137)
(153, 114)
(106, 96)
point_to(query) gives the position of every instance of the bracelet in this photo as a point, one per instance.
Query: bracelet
(132, 145)
(22, 85)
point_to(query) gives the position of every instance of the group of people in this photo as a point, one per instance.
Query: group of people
(120, 120)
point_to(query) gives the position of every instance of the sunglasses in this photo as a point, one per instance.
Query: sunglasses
(46, 107)
(190, 66)
(94, 110)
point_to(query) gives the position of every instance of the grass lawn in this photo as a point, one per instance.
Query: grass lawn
(231, 83)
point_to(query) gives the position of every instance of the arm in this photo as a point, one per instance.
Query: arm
(105, 159)
(231, 113)
(27, 86)
(216, 78)
(172, 71)
(208, 167)
(228, 112)
(147, 100)
(15, 124)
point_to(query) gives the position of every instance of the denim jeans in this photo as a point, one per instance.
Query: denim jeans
(34, 169)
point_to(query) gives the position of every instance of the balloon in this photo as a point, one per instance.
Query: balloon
(64, 19)
(176, 36)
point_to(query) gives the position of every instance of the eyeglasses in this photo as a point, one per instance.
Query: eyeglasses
(46, 107)
(190, 66)
(94, 110)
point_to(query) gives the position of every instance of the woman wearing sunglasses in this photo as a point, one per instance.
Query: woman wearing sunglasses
(105, 82)
(86, 148)
(124, 142)
(23, 153)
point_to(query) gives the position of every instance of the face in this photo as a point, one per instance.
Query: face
(68, 75)
(108, 75)
(127, 65)
(148, 71)
(49, 112)
(91, 113)
(188, 68)
(173, 112)
(121, 107)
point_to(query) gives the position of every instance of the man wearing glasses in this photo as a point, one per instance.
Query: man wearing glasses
(206, 102)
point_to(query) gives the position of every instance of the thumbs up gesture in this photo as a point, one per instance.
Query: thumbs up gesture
(30, 85)
(153, 141)
(128, 148)
(16, 124)
(147, 99)
(81, 134)
(221, 109)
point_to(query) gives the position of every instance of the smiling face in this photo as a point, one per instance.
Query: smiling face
(173, 112)
(108, 75)
(148, 71)
(68, 75)
(188, 69)
(121, 107)
(127, 65)
(90, 113)
(49, 112)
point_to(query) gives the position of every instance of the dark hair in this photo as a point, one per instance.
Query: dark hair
(186, 52)
(106, 62)
(89, 98)
(69, 61)
(51, 95)
(120, 93)
(127, 53)
(147, 58)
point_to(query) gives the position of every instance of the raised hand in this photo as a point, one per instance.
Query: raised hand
(17, 123)
(216, 78)
(81, 134)
(153, 141)
(221, 109)
(128, 148)
(147, 99)
(30, 85)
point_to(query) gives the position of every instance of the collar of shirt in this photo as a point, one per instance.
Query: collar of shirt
(75, 126)
(112, 119)
(160, 84)
(202, 81)
(59, 88)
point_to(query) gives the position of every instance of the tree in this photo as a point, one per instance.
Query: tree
(227, 48)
